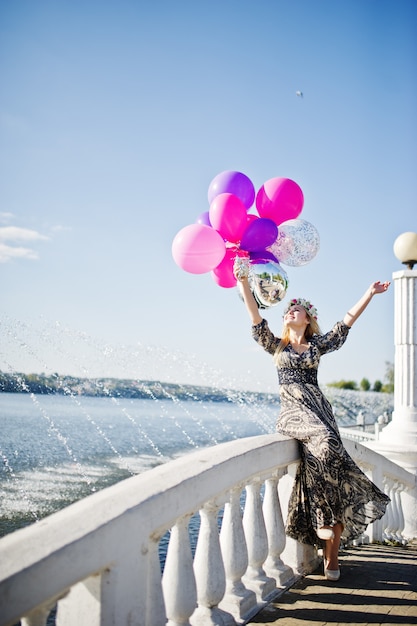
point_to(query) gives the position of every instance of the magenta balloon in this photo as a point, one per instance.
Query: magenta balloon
(232, 182)
(259, 234)
(197, 248)
(228, 216)
(251, 217)
(223, 273)
(280, 199)
(204, 218)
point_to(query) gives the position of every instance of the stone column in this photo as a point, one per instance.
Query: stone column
(398, 440)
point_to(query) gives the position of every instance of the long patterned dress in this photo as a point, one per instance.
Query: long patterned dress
(329, 487)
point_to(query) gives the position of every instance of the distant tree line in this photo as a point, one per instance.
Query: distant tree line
(365, 385)
(42, 384)
(145, 389)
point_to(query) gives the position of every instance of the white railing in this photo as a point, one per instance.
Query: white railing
(360, 434)
(98, 559)
(356, 434)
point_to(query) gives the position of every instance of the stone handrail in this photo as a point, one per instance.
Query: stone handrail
(98, 559)
(356, 434)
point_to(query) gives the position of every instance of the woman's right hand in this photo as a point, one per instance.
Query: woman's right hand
(241, 268)
(241, 272)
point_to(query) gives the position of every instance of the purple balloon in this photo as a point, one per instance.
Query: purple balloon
(262, 255)
(235, 183)
(204, 218)
(259, 234)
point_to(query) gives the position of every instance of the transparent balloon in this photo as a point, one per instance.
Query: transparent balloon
(297, 243)
(268, 283)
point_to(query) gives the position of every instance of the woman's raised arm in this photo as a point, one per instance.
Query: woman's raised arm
(355, 311)
(250, 302)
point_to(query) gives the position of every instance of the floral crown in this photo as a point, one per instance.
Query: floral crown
(310, 308)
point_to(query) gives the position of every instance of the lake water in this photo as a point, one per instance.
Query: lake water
(58, 449)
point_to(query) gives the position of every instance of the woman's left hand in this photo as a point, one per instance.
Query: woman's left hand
(379, 287)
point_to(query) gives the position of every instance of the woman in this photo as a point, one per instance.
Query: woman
(331, 496)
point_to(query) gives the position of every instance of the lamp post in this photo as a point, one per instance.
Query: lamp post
(398, 440)
(405, 249)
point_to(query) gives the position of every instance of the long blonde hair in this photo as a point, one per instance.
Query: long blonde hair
(313, 328)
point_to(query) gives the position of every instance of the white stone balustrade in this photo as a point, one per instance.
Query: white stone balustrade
(98, 561)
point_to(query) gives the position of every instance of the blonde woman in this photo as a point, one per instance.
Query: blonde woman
(331, 498)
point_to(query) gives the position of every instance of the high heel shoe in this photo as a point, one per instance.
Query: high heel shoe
(325, 533)
(331, 574)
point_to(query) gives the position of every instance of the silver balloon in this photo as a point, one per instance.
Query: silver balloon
(268, 282)
(297, 243)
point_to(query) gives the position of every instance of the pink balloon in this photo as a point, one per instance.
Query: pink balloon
(223, 273)
(198, 248)
(280, 199)
(232, 182)
(228, 216)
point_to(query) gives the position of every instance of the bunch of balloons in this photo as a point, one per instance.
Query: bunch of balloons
(266, 237)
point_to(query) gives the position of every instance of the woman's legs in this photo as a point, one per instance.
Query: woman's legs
(331, 550)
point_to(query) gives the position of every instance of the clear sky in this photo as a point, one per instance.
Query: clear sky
(115, 117)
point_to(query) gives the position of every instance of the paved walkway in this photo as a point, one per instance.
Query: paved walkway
(378, 585)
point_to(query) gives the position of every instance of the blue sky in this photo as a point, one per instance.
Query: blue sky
(115, 117)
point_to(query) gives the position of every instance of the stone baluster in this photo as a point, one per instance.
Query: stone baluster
(209, 570)
(401, 490)
(115, 594)
(398, 488)
(257, 544)
(395, 519)
(301, 557)
(389, 515)
(375, 531)
(178, 582)
(275, 530)
(363, 538)
(38, 617)
(238, 600)
(82, 604)
(155, 606)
